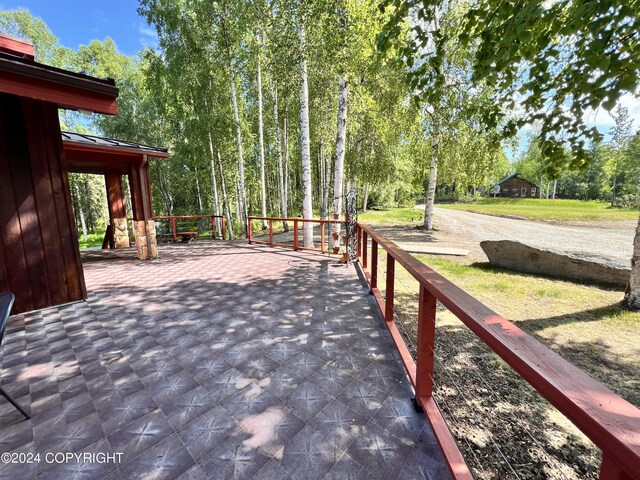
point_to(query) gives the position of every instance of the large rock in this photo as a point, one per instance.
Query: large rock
(574, 266)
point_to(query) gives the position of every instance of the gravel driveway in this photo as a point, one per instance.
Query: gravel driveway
(467, 229)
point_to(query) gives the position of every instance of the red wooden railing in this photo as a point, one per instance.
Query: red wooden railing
(175, 218)
(612, 423)
(324, 232)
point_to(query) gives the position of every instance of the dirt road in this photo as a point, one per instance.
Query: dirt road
(613, 241)
(460, 229)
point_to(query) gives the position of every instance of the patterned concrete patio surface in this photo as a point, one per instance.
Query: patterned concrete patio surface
(215, 361)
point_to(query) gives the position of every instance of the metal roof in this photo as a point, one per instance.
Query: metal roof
(505, 179)
(93, 142)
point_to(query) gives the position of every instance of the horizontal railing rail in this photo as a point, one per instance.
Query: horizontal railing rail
(612, 423)
(213, 219)
(324, 232)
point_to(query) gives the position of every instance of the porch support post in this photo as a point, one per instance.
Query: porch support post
(117, 210)
(145, 232)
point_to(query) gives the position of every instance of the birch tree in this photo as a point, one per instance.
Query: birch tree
(305, 142)
(261, 135)
(282, 195)
(341, 135)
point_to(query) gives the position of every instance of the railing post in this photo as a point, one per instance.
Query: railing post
(175, 230)
(250, 229)
(374, 265)
(295, 234)
(270, 232)
(359, 233)
(213, 227)
(426, 344)
(365, 261)
(391, 275)
(322, 237)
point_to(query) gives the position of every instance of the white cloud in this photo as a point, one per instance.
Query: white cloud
(101, 16)
(148, 36)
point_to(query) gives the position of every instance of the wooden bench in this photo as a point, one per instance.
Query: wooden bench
(188, 237)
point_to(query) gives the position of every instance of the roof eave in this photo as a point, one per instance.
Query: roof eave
(66, 89)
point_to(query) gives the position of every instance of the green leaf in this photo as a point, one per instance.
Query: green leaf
(525, 36)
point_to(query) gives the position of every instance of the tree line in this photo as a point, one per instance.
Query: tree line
(268, 108)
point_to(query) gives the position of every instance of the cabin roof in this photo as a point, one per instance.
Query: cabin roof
(22, 76)
(513, 175)
(100, 155)
(106, 144)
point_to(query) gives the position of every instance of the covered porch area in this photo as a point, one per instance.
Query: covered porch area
(217, 360)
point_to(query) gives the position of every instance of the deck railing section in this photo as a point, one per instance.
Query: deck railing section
(612, 423)
(295, 225)
(214, 226)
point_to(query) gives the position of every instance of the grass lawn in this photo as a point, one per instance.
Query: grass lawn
(393, 216)
(543, 209)
(93, 240)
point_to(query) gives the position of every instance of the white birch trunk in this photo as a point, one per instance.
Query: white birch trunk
(433, 179)
(286, 159)
(242, 198)
(238, 202)
(307, 206)
(323, 181)
(198, 191)
(261, 139)
(327, 184)
(83, 222)
(214, 188)
(281, 183)
(227, 205)
(632, 296)
(365, 200)
(541, 182)
(555, 185)
(340, 149)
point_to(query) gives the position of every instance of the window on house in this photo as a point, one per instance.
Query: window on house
(514, 190)
(523, 192)
(533, 191)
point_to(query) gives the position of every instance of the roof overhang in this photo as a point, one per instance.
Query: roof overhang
(25, 78)
(16, 46)
(100, 155)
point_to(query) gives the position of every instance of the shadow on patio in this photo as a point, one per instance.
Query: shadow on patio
(214, 361)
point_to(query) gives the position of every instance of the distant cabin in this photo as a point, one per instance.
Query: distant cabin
(516, 186)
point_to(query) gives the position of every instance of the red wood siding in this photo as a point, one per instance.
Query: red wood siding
(513, 188)
(39, 254)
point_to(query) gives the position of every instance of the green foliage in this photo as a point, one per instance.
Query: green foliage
(551, 61)
(20, 23)
(93, 239)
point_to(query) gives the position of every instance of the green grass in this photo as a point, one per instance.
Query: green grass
(93, 240)
(543, 209)
(394, 216)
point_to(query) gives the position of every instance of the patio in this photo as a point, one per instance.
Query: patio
(217, 360)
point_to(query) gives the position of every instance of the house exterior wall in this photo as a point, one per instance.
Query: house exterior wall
(518, 187)
(39, 255)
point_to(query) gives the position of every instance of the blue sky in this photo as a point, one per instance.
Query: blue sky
(77, 22)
